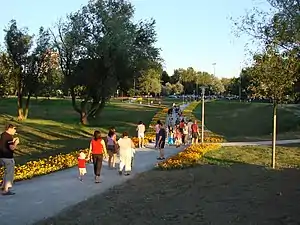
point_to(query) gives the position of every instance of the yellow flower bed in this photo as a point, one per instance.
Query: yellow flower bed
(208, 136)
(188, 157)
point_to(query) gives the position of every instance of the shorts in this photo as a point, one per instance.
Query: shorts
(82, 171)
(161, 144)
(112, 149)
(141, 135)
(194, 135)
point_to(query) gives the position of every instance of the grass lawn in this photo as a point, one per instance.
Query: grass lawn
(286, 157)
(53, 125)
(219, 191)
(250, 121)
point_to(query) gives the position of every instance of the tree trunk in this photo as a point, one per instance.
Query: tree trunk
(274, 134)
(83, 113)
(84, 118)
(27, 106)
(100, 107)
(20, 106)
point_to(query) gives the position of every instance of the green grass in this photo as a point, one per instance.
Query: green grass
(287, 157)
(250, 121)
(53, 126)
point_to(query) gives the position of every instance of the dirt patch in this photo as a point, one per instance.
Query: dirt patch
(208, 194)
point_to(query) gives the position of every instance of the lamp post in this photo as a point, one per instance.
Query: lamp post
(214, 65)
(202, 114)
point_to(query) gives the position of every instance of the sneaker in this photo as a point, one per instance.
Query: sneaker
(8, 193)
(120, 173)
(127, 174)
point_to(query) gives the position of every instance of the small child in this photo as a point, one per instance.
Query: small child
(81, 165)
(132, 156)
(171, 137)
(178, 138)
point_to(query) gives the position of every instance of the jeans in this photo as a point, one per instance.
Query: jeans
(97, 161)
(9, 172)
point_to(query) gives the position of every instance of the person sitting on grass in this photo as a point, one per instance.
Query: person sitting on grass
(161, 142)
(81, 165)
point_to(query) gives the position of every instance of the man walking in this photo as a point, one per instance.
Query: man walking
(7, 146)
(161, 142)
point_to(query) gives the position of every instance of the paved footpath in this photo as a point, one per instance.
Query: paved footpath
(47, 195)
(254, 143)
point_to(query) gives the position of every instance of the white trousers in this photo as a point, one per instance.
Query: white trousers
(125, 161)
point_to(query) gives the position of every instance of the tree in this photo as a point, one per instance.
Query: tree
(274, 75)
(102, 49)
(279, 26)
(150, 81)
(165, 78)
(18, 44)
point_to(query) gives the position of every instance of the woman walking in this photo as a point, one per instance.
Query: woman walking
(112, 148)
(126, 145)
(97, 149)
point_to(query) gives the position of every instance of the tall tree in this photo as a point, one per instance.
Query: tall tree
(274, 74)
(165, 78)
(18, 44)
(101, 49)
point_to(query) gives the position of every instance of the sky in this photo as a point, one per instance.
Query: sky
(191, 33)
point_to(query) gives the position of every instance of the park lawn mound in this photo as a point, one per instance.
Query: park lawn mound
(207, 194)
(238, 121)
(209, 136)
(286, 157)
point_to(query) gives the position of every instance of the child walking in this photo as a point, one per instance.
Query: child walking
(81, 165)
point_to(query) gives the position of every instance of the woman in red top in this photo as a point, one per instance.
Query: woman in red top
(98, 149)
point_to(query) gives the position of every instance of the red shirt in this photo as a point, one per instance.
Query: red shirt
(97, 147)
(81, 163)
(181, 125)
(194, 128)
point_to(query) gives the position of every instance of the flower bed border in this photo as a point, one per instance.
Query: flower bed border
(189, 157)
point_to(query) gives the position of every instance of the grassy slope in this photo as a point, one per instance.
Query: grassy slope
(53, 125)
(250, 121)
(286, 157)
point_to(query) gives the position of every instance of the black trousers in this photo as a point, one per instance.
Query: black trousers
(97, 161)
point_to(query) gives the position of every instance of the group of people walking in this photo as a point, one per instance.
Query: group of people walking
(177, 131)
(110, 149)
(180, 130)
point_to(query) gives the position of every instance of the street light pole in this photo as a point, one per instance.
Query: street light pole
(214, 65)
(202, 115)
(240, 88)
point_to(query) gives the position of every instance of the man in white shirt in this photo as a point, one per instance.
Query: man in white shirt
(141, 134)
